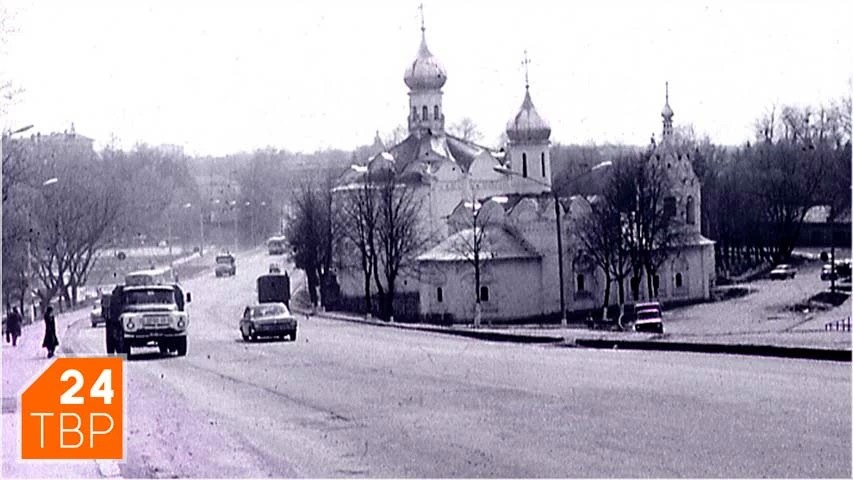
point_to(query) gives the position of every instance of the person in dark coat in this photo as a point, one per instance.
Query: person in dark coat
(13, 326)
(50, 341)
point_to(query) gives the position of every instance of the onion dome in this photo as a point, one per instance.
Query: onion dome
(667, 112)
(527, 125)
(425, 72)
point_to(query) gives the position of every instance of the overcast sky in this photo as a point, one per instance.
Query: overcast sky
(222, 77)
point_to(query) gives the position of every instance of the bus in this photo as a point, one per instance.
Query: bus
(154, 276)
(276, 245)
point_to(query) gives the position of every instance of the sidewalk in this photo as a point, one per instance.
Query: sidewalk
(20, 366)
(803, 341)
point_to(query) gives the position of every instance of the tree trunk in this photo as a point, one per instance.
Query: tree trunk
(606, 294)
(650, 292)
(477, 307)
(311, 277)
(367, 306)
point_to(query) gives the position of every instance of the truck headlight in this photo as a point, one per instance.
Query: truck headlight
(181, 324)
(129, 324)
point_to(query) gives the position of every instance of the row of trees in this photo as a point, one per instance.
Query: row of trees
(628, 231)
(373, 224)
(64, 204)
(756, 196)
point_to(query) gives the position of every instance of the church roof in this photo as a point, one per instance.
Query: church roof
(527, 124)
(433, 147)
(498, 244)
(425, 72)
(693, 238)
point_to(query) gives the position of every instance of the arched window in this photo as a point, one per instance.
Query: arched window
(435, 112)
(439, 294)
(414, 113)
(524, 165)
(484, 293)
(426, 113)
(581, 283)
(691, 211)
(542, 157)
(679, 280)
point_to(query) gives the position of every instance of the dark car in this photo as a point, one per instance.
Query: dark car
(827, 274)
(226, 264)
(96, 315)
(842, 270)
(267, 320)
(648, 318)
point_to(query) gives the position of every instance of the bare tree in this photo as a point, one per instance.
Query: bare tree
(399, 236)
(601, 234)
(466, 129)
(652, 230)
(358, 217)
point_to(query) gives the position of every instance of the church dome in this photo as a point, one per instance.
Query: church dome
(527, 125)
(425, 72)
(667, 111)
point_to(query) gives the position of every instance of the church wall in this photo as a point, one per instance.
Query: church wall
(514, 290)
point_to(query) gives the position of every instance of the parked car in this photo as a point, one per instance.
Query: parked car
(267, 320)
(826, 273)
(844, 268)
(96, 316)
(226, 264)
(648, 317)
(781, 272)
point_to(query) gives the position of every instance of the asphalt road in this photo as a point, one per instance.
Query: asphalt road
(349, 400)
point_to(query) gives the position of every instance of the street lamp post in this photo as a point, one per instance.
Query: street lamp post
(46, 183)
(251, 224)
(200, 225)
(233, 204)
(502, 169)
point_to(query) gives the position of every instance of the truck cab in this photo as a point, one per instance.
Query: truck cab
(147, 315)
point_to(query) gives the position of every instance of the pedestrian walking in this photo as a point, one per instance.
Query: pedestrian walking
(50, 341)
(13, 326)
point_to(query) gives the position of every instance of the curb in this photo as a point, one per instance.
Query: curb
(488, 335)
(730, 349)
(714, 348)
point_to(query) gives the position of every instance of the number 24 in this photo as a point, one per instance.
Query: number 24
(102, 388)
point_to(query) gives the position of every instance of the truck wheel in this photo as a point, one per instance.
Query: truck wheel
(123, 347)
(181, 346)
(111, 348)
(292, 335)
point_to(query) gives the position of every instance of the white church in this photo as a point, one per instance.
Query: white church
(509, 190)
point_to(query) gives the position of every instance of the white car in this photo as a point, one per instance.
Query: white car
(781, 272)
